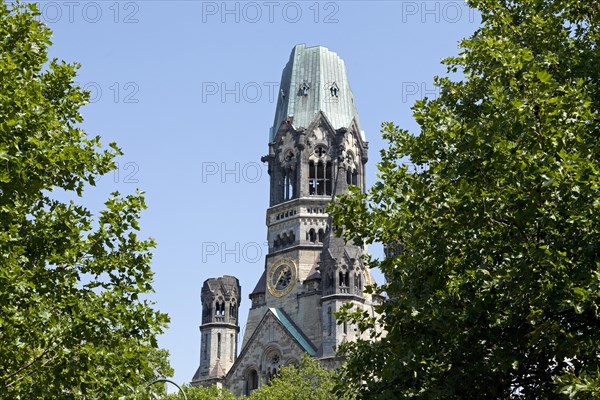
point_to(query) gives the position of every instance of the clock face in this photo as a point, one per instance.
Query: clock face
(281, 277)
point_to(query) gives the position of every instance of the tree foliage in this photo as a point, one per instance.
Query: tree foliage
(495, 293)
(73, 320)
(307, 381)
(203, 393)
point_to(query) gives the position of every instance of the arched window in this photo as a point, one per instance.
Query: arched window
(343, 279)
(288, 184)
(321, 235)
(251, 381)
(328, 173)
(277, 243)
(271, 374)
(319, 177)
(271, 363)
(220, 308)
(312, 178)
(358, 280)
(312, 236)
(329, 321)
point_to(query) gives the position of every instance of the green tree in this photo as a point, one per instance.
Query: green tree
(74, 319)
(495, 293)
(202, 393)
(307, 381)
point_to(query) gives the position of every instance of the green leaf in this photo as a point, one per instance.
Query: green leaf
(543, 76)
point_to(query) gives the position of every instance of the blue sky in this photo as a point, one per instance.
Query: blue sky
(187, 90)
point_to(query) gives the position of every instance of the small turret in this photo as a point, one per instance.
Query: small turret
(219, 329)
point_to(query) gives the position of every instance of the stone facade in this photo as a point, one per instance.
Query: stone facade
(316, 150)
(219, 330)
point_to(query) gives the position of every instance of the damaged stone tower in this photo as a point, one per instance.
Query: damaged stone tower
(316, 151)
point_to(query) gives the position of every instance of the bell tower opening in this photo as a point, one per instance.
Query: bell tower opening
(319, 178)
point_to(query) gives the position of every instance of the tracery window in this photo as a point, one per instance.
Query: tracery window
(319, 177)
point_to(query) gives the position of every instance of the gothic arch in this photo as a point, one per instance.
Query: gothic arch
(311, 235)
(289, 183)
(220, 307)
(271, 362)
(320, 175)
(251, 379)
(344, 279)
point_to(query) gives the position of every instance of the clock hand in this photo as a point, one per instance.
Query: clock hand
(280, 276)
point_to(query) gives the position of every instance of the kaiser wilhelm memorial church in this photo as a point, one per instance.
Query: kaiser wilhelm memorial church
(316, 151)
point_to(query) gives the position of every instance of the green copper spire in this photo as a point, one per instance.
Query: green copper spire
(314, 80)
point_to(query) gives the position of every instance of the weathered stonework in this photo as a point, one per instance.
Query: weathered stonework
(316, 150)
(219, 330)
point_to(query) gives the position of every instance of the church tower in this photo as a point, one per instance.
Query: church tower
(220, 298)
(316, 151)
